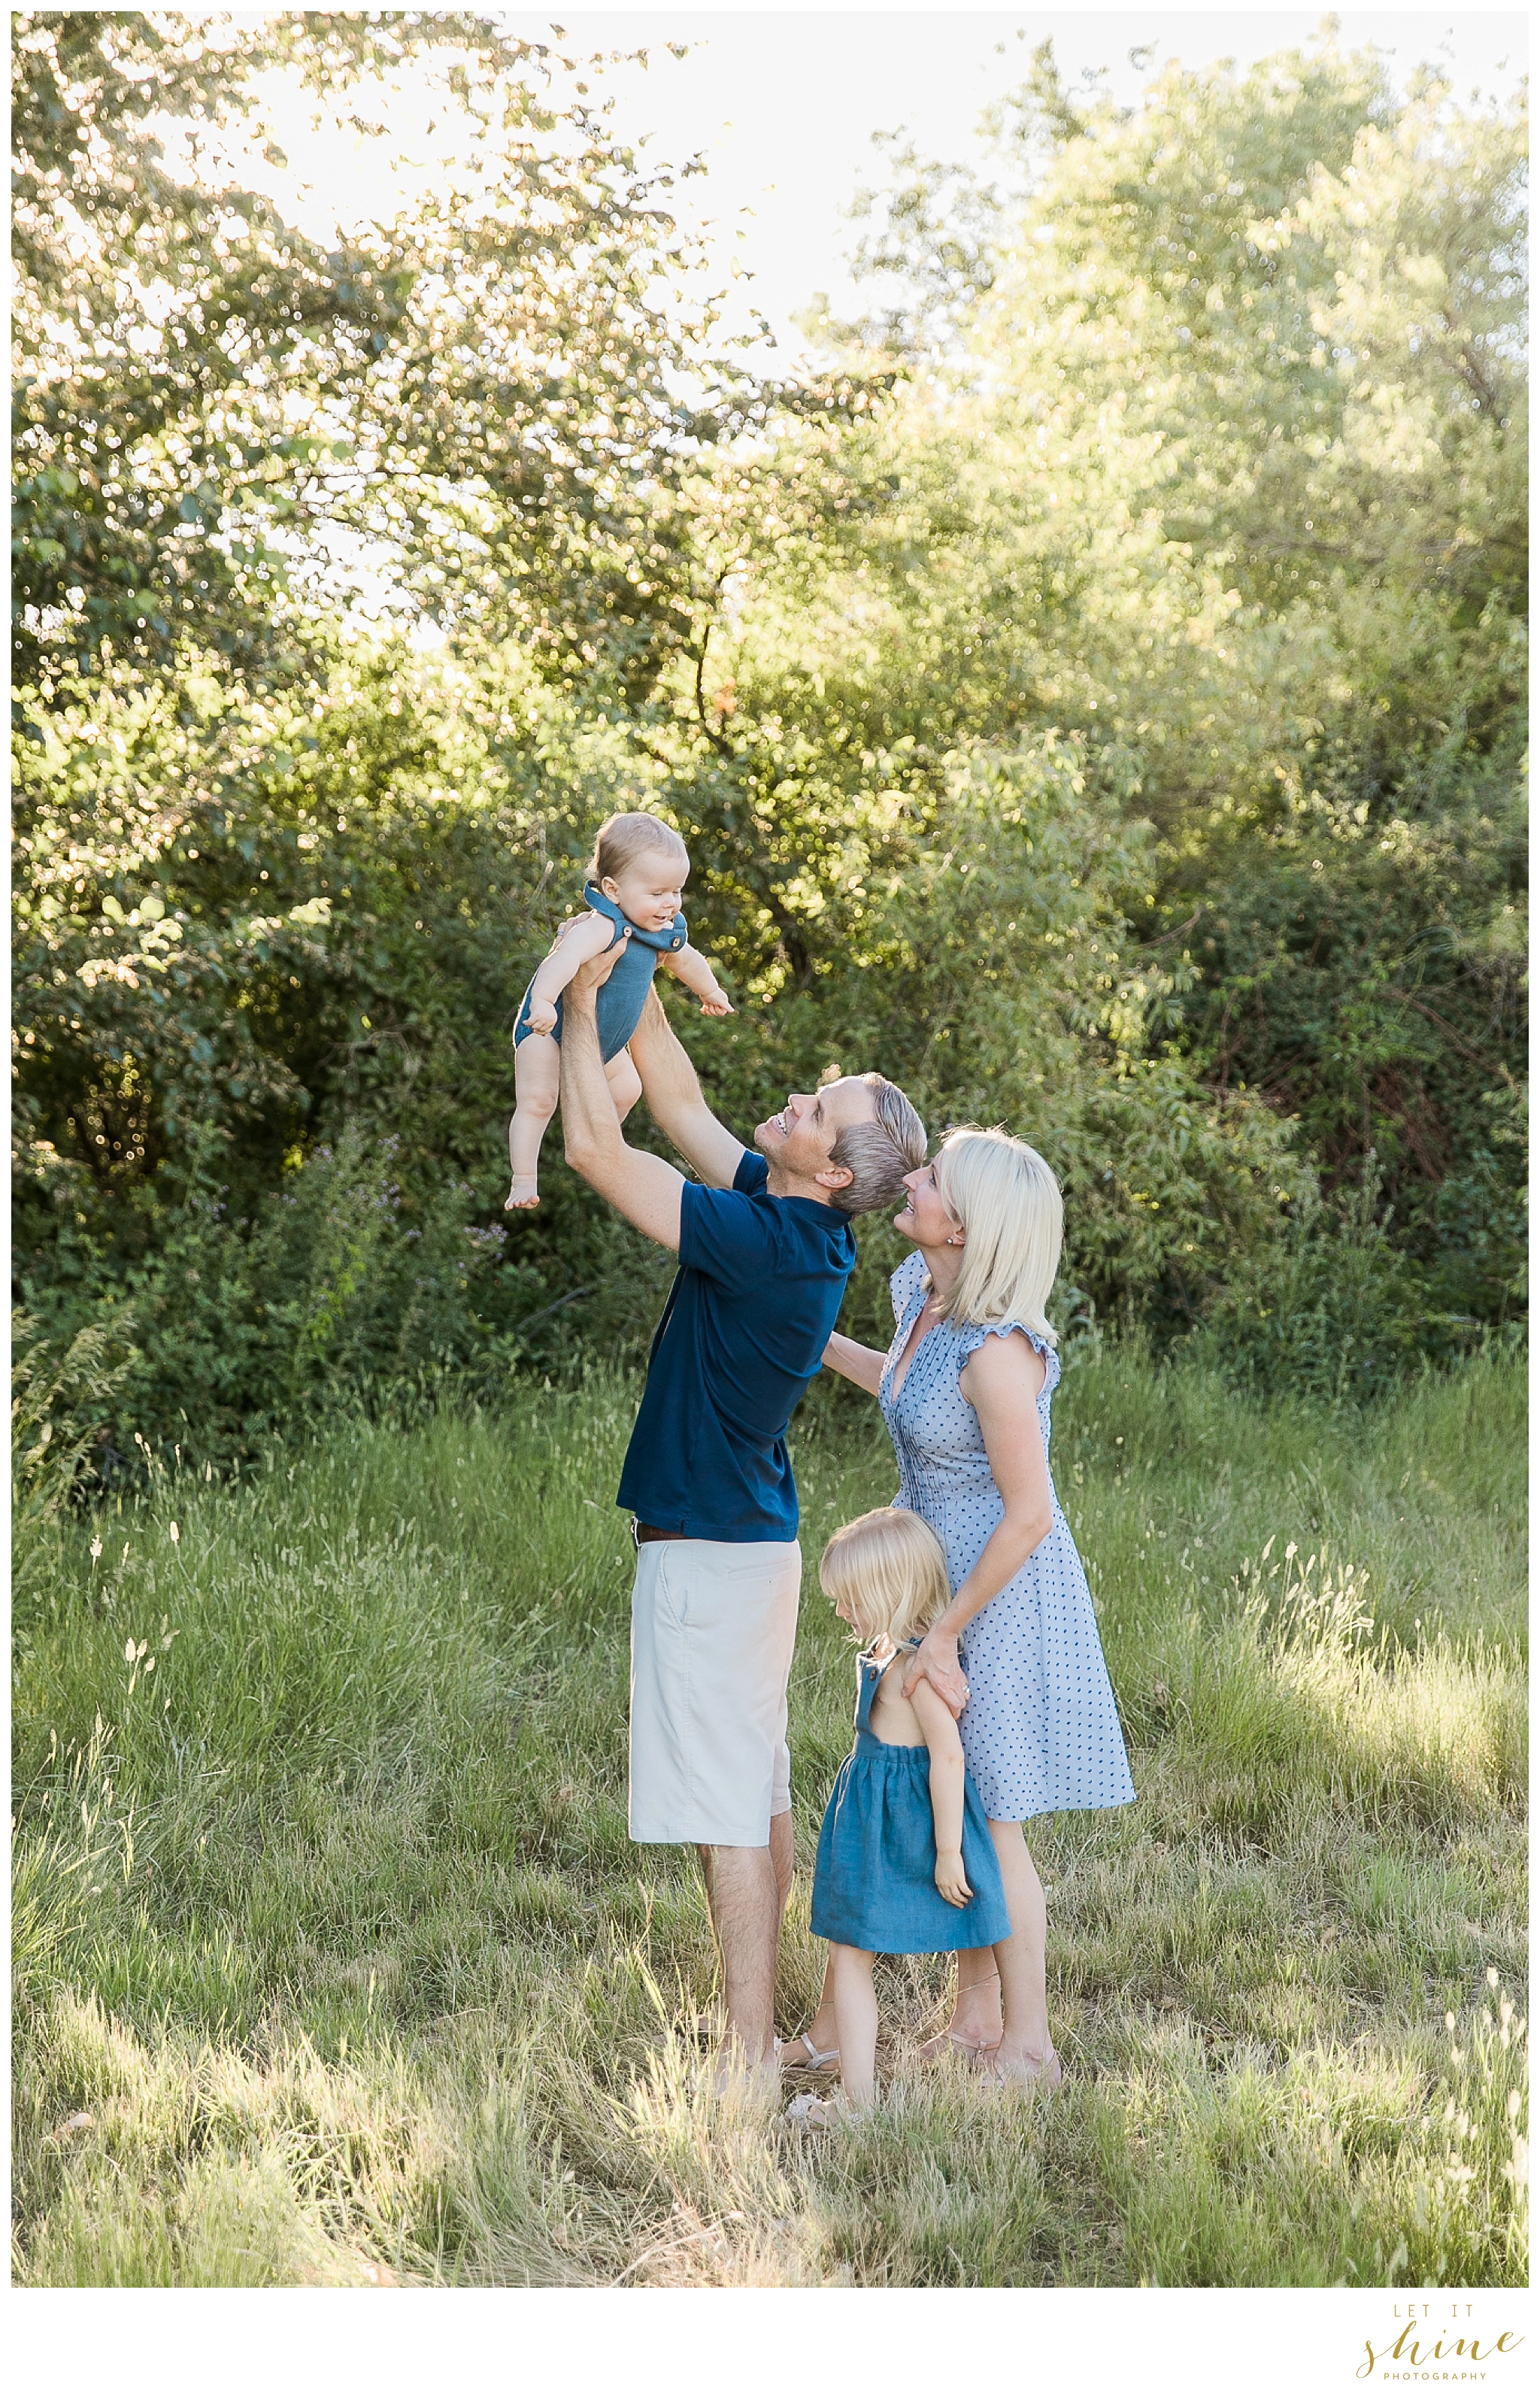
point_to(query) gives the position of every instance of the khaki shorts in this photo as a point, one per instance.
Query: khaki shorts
(713, 1628)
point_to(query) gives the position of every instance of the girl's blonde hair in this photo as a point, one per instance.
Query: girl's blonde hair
(625, 837)
(891, 1572)
(1008, 1201)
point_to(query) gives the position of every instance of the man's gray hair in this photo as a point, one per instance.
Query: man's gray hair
(878, 1154)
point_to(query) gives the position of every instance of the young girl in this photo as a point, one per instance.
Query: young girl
(906, 1861)
(635, 882)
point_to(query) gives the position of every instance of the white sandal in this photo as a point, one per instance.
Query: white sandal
(815, 2060)
(975, 2054)
(813, 2111)
(1043, 2069)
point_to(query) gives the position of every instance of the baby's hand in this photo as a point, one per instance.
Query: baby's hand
(717, 1002)
(543, 1016)
(950, 1883)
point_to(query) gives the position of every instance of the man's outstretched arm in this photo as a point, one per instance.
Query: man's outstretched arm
(643, 1187)
(675, 1103)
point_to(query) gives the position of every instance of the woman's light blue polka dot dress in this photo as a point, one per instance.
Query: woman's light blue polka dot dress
(1040, 1732)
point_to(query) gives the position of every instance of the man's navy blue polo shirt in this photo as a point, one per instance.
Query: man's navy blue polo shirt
(759, 1288)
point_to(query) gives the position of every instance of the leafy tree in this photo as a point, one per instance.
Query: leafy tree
(1109, 724)
(208, 401)
(1225, 474)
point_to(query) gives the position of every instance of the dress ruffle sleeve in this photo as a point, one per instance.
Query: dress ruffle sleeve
(972, 1335)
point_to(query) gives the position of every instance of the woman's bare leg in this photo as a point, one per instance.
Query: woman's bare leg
(537, 1085)
(1023, 2048)
(856, 2022)
(975, 2024)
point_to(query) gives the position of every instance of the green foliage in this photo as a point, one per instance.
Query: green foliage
(1334, 1308)
(1239, 394)
(1112, 726)
(59, 1402)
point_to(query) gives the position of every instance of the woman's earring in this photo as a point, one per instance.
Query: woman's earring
(954, 1242)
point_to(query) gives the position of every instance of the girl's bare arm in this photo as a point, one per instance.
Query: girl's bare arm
(947, 1787)
(688, 965)
(853, 1361)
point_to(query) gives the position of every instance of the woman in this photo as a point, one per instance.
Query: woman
(965, 1390)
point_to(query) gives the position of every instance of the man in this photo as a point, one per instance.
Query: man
(765, 1249)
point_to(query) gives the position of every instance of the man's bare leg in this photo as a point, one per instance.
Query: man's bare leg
(780, 1856)
(745, 1888)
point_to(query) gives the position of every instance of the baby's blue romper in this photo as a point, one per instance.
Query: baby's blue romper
(874, 1880)
(619, 1002)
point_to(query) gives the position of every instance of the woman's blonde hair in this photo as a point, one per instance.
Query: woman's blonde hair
(625, 837)
(891, 1572)
(1007, 1199)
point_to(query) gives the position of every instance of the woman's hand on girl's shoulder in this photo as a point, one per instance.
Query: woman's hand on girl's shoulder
(935, 1664)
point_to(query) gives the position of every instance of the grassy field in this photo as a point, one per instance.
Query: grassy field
(335, 1965)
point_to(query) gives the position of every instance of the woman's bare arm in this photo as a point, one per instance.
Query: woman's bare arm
(1002, 1382)
(862, 1364)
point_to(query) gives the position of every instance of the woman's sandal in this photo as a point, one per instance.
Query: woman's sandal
(1043, 2069)
(974, 2048)
(974, 2051)
(816, 2061)
(817, 2110)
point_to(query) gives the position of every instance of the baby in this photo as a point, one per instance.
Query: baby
(635, 882)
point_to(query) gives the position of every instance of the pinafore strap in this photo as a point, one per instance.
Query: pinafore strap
(869, 1677)
(666, 942)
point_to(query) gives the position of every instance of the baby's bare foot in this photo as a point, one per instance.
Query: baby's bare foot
(522, 1198)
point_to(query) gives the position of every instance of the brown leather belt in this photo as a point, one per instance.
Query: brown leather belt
(644, 1533)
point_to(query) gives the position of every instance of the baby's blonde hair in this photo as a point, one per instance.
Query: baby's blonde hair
(625, 837)
(1008, 1201)
(890, 1571)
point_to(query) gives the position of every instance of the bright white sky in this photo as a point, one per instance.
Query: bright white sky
(784, 103)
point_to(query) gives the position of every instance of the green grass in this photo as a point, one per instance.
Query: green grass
(334, 1964)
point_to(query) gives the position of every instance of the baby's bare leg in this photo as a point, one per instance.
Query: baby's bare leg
(537, 1083)
(856, 2023)
(625, 1081)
